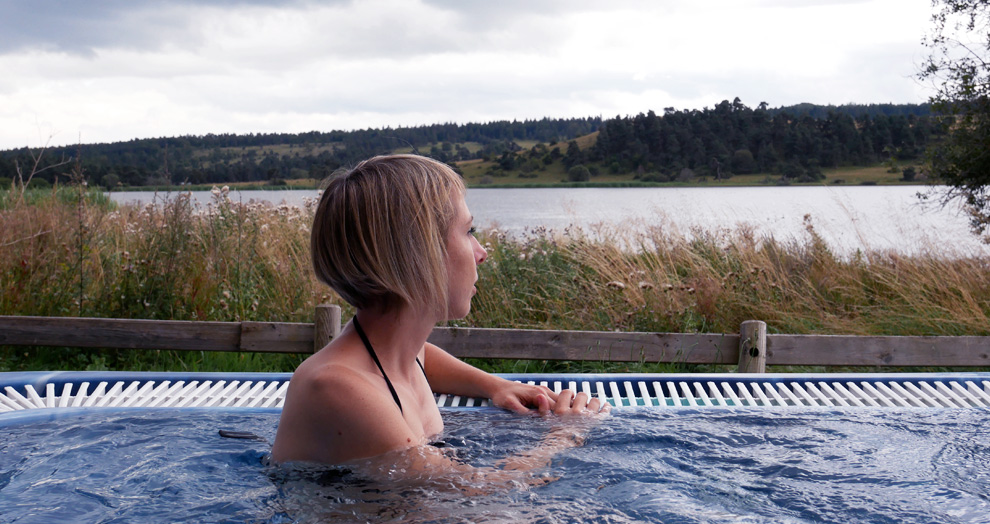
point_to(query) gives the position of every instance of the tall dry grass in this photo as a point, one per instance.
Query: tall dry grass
(172, 259)
(637, 277)
(66, 252)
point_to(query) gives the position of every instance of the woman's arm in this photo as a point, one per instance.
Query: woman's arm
(573, 416)
(448, 374)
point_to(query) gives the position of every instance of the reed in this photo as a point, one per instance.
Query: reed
(66, 252)
(712, 281)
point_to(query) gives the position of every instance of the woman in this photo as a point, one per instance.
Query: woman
(394, 238)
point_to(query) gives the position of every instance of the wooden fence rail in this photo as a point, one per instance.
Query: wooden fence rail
(751, 349)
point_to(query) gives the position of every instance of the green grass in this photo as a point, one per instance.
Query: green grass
(478, 174)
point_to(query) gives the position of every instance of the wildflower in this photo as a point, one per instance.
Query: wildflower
(615, 284)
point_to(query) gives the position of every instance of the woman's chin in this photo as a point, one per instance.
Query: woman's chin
(458, 313)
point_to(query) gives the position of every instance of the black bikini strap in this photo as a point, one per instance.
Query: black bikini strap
(367, 344)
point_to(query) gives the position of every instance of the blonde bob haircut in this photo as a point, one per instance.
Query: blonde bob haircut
(379, 235)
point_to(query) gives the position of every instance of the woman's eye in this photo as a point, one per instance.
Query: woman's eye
(473, 230)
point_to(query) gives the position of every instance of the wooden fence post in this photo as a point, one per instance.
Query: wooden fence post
(753, 347)
(327, 325)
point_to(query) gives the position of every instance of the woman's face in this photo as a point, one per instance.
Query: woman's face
(464, 253)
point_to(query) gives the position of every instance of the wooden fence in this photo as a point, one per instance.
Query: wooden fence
(751, 350)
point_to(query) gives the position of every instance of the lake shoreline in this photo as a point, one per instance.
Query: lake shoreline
(523, 185)
(849, 218)
(846, 176)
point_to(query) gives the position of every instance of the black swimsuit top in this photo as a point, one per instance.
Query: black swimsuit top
(367, 344)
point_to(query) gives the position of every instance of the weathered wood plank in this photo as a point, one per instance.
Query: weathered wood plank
(890, 351)
(277, 337)
(536, 344)
(119, 333)
(793, 350)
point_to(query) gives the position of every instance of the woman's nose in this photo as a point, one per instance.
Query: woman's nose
(480, 253)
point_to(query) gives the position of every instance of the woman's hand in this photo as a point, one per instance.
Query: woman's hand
(524, 398)
(568, 404)
(573, 416)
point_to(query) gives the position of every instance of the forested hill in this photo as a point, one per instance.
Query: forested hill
(257, 157)
(731, 138)
(719, 140)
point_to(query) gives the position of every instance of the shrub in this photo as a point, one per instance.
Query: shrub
(743, 162)
(110, 181)
(578, 173)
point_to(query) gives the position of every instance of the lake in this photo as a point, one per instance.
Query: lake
(848, 218)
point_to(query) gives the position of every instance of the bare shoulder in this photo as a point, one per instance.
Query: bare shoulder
(334, 413)
(332, 386)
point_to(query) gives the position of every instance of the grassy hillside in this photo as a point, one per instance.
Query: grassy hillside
(487, 173)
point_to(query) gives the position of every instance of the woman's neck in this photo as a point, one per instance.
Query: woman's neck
(397, 336)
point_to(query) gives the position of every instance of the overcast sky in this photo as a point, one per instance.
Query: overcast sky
(111, 70)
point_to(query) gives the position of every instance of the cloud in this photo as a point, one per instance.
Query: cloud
(84, 27)
(115, 69)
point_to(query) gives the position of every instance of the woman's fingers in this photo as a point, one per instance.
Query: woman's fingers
(580, 403)
(548, 392)
(543, 405)
(564, 400)
(597, 406)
